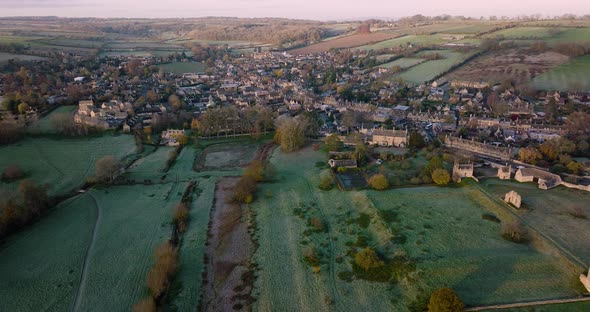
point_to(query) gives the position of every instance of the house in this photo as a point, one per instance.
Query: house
(545, 179)
(504, 172)
(345, 163)
(170, 137)
(383, 137)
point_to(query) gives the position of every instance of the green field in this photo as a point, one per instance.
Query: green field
(404, 41)
(403, 62)
(522, 33)
(45, 124)
(183, 67)
(79, 43)
(429, 70)
(577, 35)
(441, 229)
(5, 57)
(62, 164)
(570, 76)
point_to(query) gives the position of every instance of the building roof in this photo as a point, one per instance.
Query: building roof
(390, 133)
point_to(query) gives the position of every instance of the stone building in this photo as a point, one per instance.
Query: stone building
(346, 163)
(462, 171)
(383, 137)
(504, 153)
(513, 198)
(504, 173)
(545, 179)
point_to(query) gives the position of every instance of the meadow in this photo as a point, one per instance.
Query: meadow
(45, 124)
(408, 223)
(567, 77)
(425, 40)
(5, 57)
(403, 63)
(183, 67)
(62, 164)
(522, 33)
(429, 70)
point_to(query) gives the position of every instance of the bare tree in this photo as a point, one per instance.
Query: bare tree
(108, 168)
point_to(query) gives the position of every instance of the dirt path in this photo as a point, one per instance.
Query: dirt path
(331, 268)
(228, 279)
(84, 274)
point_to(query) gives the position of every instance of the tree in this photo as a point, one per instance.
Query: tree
(23, 108)
(183, 139)
(326, 182)
(445, 300)
(514, 231)
(379, 182)
(175, 102)
(349, 119)
(433, 164)
(529, 155)
(181, 215)
(290, 133)
(34, 196)
(368, 259)
(145, 305)
(333, 143)
(107, 169)
(416, 140)
(441, 176)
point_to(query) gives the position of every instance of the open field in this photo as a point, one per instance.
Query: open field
(413, 222)
(62, 164)
(517, 65)
(403, 63)
(344, 42)
(5, 57)
(40, 267)
(429, 70)
(425, 40)
(79, 43)
(225, 156)
(45, 124)
(522, 33)
(550, 213)
(569, 76)
(183, 67)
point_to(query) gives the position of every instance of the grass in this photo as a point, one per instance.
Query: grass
(429, 70)
(45, 124)
(522, 33)
(40, 267)
(226, 156)
(570, 76)
(440, 230)
(183, 67)
(62, 164)
(404, 41)
(5, 57)
(403, 62)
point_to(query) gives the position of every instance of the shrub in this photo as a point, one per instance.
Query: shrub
(181, 217)
(514, 231)
(165, 266)
(441, 176)
(310, 257)
(368, 259)
(255, 170)
(326, 182)
(445, 300)
(12, 173)
(317, 224)
(379, 182)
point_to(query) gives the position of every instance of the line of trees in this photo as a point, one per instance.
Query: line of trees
(17, 210)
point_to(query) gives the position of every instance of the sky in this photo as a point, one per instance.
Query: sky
(303, 9)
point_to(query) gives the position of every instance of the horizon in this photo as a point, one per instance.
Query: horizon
(325, 11)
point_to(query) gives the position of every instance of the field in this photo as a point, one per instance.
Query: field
(569, 76)
(514, 64)
(413, 223)
(5, 57)
(183, 67)
(550, 213)
(403, 63)
(429, 70)
(425, 40)
(522, 33)
(225, 156)
(344, 42)
(45, 124)
(62, 164)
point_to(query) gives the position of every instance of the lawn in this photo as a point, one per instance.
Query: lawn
(431, 69)
(183, 67)
(45, 124)
(569, 76)
(62, 164)
(440, 229)
(40, 267)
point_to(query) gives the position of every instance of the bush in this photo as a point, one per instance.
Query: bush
(162, 273)
(514, 231)
(368, 259)
(379, 182)
(441, 176)
(326, 182)
(12, 173)
(445, 300)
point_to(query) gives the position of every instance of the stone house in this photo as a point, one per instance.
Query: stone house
(462, 171)
(383, 137)
(504, 173)
(545, 179)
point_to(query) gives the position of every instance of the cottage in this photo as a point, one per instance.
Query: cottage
(383, 137)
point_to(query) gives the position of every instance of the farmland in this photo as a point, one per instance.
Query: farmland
(414, 222)
(344, 42)
(569, 76)
(515, 64)
(429, 70)
(403, 63)
(5, 57)
(62, 164)
(45, 124)
(522, 33)
(183, 67)
(425, 40)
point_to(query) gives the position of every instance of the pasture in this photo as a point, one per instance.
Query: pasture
(182, 67)
(404, 41)
(518, 65)
(522, 33)
(343, 42)
(411, 223)
(571, 76)
(225, 156)
(429, 70)
(5, 57)
(403, 63)
(45, 125)
(62, 164)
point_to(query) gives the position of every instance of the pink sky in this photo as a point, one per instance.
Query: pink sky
(305, 9)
